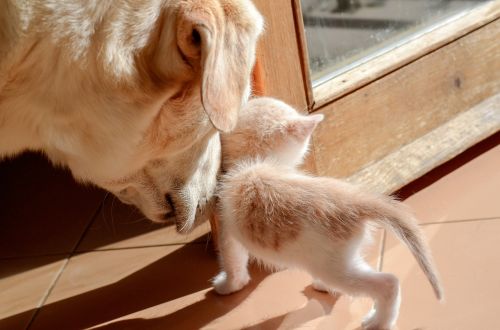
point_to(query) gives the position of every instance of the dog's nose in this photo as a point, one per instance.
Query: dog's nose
(170, 203)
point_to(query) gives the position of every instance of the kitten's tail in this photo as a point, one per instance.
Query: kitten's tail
(391, 213)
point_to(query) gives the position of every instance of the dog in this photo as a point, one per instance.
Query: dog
(129, 95)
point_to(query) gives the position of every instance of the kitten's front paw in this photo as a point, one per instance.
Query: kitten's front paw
(226, 285)
(370, 322)
(374, 327)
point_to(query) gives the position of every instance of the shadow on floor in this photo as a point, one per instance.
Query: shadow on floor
(176, 275)
(45, 212)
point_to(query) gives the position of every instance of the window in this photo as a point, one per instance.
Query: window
(341, 34)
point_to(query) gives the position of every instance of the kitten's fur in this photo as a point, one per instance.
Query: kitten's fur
(289, 219)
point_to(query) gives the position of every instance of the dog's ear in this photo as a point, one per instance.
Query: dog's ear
(225, 56)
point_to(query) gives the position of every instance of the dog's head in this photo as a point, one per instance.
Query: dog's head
(174, 74)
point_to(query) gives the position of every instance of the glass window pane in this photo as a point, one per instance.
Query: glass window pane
(343, 33)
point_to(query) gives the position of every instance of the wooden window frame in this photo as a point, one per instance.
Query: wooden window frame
(399, 115)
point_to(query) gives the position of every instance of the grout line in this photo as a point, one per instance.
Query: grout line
(47, 293)
(207, 242)
(75, 251)
(63, 267)
(458, 221)
(28, 256)
(57, 254)
(380, 262)
(94, 217)
(89, 224)
(139, 247)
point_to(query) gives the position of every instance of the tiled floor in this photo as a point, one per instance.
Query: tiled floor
(71, 258)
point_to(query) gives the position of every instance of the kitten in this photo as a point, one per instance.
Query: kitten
(268, 128)
(288, 219)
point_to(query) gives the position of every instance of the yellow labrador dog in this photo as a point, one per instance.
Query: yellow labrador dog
(128, 94)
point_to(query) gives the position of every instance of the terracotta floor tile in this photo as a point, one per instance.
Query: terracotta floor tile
(123, 226)
(23, 284)
(286, 300)
(469, 263)
(42, 209)
(158, 287)
(470, 192)
(100, 286)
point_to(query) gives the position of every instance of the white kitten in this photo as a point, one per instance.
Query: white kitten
(288, 219)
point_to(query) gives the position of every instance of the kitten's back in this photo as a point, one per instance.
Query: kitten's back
(274, 204)
(270, 207)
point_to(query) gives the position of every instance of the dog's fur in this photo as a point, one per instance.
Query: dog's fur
(127, 93)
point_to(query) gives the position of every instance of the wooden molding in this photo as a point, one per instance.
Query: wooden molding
(433, 149)
(389, 113)
(303, 52)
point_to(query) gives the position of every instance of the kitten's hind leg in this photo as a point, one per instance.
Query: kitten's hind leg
(233, 259)
(387, 296)
(382, 287)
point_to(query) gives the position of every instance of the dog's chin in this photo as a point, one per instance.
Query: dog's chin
(185, 225)
(182, 225)
(162, 218)
(184, 217)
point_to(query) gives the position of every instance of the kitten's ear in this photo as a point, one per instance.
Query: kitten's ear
(303, 126)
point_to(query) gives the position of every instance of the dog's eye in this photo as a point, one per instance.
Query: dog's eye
(189, 41)
(196, 38)
(170, 203)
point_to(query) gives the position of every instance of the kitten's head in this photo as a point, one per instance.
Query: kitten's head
(268, 128)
